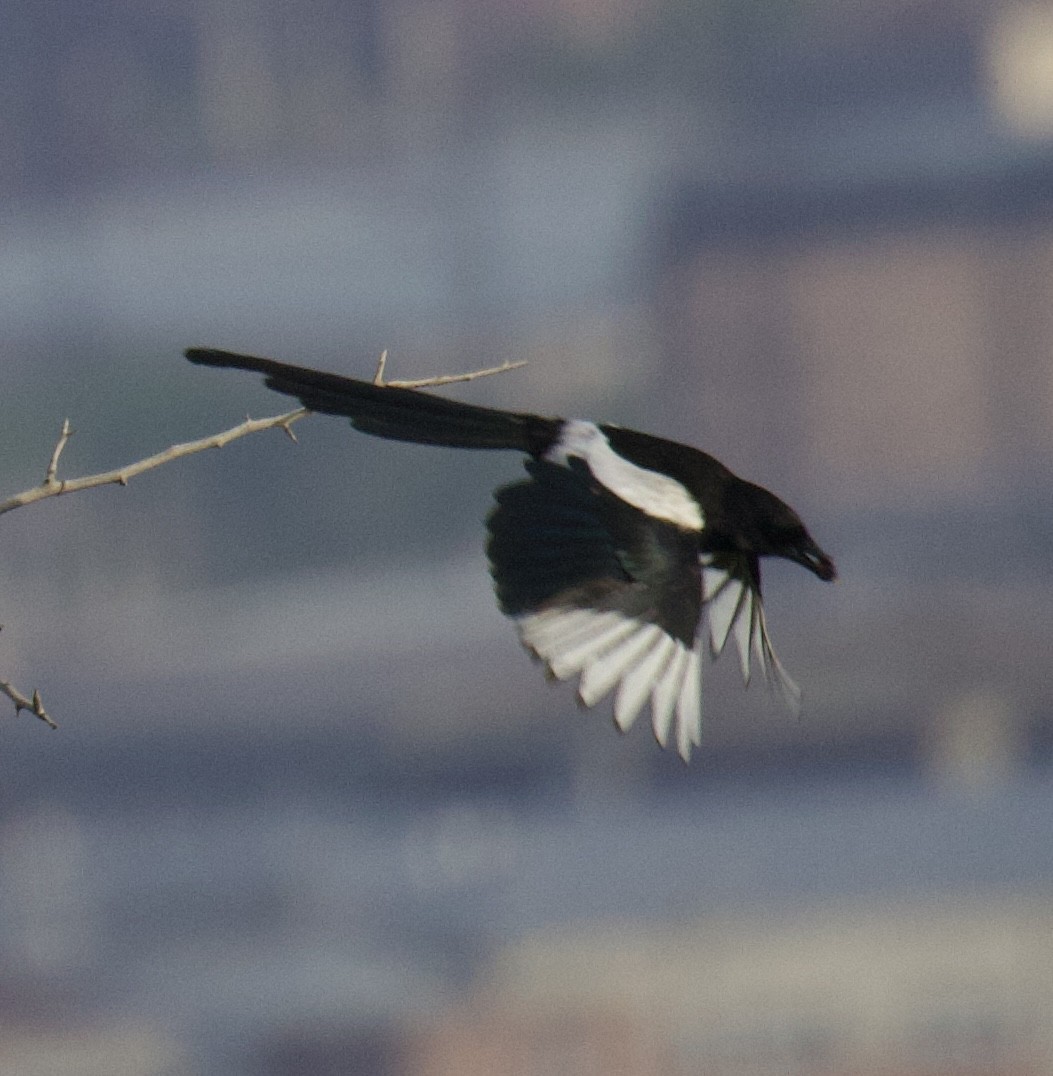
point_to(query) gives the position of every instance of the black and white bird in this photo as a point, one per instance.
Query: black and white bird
(622, 558)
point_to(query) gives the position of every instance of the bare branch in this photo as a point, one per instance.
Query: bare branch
(33, 705)
(53, 487)
(378, 377)
(442, 379)
(64, 436)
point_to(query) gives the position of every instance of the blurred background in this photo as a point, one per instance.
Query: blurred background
(310, 808)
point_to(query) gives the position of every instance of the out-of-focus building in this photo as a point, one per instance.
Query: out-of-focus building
(92, 1050)
(895, 989)
(897, 343)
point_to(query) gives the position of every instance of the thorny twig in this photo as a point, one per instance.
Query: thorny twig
(441, 379)
(33, 705)
(53, 486)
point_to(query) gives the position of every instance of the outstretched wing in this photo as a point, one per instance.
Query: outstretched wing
(601, 589)
(732, 595)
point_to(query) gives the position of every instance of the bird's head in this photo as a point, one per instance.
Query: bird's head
(777, 531)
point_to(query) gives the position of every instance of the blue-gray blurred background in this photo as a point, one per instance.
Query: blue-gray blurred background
(310, 808)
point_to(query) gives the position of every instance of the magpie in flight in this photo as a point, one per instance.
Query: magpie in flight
(621, 558)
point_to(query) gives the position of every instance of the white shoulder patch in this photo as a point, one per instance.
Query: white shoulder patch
(656, 494)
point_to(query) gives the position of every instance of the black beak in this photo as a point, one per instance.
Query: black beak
(817, 562)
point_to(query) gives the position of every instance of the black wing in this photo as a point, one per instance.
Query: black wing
(601, 589)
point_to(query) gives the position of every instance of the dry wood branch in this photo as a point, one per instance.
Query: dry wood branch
(33, 705)
(53, 486)
(64, 436)
(441, 379)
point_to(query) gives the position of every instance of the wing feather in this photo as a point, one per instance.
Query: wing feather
(599, 677)
(734, 608)
(602, 592)
(667, 691)
(689, 706)
(724, 597)
(641, 681)
(745, 628)
(581, 653)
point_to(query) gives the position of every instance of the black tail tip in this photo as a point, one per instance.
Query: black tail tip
(207, 356)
